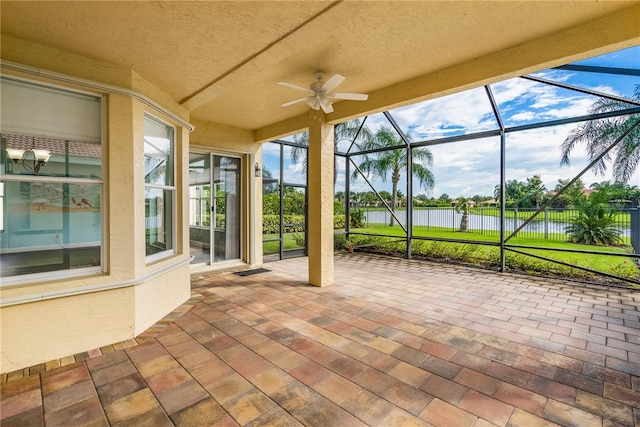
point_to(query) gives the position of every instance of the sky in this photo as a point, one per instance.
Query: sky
(472, 167)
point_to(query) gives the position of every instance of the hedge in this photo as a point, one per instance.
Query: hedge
(271, 223)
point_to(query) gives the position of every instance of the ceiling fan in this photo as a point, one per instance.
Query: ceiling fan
(320, 93)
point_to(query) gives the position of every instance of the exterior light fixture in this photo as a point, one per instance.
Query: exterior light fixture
(40, 157)
(258, 171)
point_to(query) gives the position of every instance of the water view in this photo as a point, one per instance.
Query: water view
(541, 226)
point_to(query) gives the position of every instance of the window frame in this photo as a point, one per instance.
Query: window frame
(43, 177)
(172, 251)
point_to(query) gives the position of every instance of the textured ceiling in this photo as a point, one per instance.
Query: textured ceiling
(221, 60)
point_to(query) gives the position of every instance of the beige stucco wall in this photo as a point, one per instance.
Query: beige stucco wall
(321, 190)
(48, 319)
(42, 331)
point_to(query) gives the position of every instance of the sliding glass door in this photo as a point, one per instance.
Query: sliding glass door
(215, 211)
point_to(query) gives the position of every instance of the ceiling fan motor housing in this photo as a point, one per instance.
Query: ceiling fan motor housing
(320, 93)
(317, 87)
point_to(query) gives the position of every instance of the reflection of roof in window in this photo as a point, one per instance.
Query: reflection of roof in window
(54, 145)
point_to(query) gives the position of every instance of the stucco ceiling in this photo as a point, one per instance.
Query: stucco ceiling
(221, 60)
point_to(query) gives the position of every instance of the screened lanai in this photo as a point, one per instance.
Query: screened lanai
(535, 174)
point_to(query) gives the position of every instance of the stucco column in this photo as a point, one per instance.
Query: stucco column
(320, 209)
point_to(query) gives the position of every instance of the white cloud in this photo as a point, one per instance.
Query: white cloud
(524, 116)
(463, 112)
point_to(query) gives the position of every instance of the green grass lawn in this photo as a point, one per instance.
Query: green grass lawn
(274, 247)
(488, 255)
(621, 218)
(617, 265)
(485, 236)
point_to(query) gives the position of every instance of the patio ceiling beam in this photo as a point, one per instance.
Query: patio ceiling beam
(331, 17)
(615, 31)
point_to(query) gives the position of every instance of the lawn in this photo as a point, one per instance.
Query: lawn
(274, 247)
(562, 216)
(488, 254)
(483, 254)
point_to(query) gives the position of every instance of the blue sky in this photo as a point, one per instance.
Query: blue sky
(472, 167)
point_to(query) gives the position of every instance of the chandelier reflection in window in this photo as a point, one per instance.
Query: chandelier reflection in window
(32, 160)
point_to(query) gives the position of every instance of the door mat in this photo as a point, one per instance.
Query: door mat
(251, 272)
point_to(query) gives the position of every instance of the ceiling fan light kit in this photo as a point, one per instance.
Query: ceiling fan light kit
(320, 93)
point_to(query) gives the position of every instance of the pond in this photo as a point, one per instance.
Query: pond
(449, 218)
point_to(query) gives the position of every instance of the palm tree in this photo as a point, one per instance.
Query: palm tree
(346, 131)
(595, 223)
(464, 206)
(395, 161)
(535, 189)
(598, 135)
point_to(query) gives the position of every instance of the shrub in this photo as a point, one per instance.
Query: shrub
(271, 223)
(594, 224)
(340, 241)
(356, 218)
(299, 239)
(271, 204)
(489, 257)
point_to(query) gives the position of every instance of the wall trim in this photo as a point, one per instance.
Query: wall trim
(62, 293)
(36, 71)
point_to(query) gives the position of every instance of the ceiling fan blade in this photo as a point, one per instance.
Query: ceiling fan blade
(326, 106)
(333, 82)
(295, 101)
(350, 96)
(292, 86)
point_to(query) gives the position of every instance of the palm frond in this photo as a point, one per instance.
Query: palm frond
(598, 135)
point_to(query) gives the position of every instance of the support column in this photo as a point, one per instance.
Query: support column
(320, 208)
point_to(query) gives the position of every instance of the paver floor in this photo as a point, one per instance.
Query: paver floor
(392, 343)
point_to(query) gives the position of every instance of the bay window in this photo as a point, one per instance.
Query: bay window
(160, 190)
(51, 182)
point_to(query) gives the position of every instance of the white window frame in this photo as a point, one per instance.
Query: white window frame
(80, 271)
(173, 189)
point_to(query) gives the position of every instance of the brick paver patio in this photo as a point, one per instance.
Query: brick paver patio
(393, 343)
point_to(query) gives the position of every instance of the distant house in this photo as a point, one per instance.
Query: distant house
(586, 192)
(491, 203)
(454, 202)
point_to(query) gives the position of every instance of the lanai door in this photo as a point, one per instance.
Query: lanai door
(215, 212)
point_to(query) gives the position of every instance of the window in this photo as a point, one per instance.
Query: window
(160, 190)
(199, 190)
(50, 182)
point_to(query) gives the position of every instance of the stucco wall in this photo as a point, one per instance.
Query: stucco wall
(42, 331)
(47, 319)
